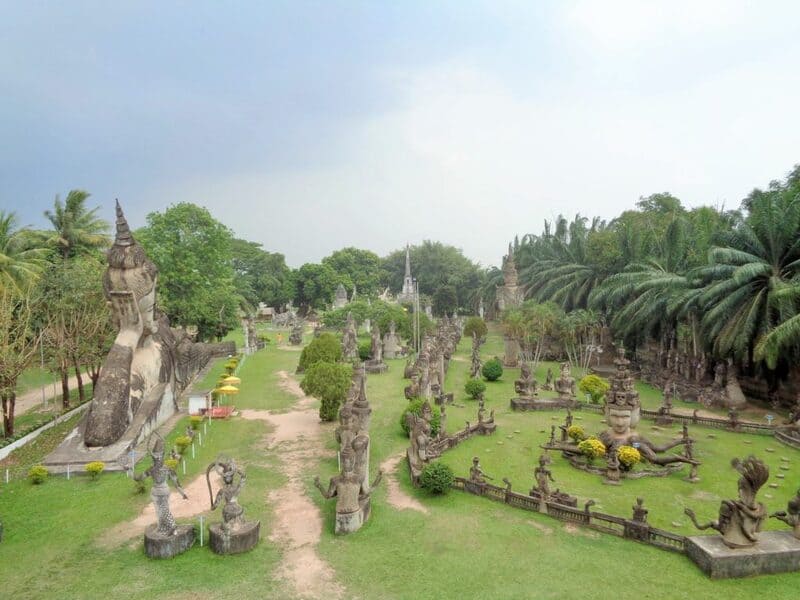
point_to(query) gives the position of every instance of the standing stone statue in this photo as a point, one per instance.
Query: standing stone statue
(391, 344)
(164, 539)
(296, 337)
(375, 364)
(234, 534)
(543, 478)
(349, 341)
(476, 474)
(740, 520)
(352, 507)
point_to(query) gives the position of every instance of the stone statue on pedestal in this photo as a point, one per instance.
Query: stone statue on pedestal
(740, 520)
(234, 534)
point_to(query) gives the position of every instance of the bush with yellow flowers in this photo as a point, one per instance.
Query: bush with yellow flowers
(576, 433)
(592, 448)
(628, 456)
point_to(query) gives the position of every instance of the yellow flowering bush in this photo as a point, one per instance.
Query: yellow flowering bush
(94, 468)
(576, 433)
(171, 463)
(592, 448)
(628, 456)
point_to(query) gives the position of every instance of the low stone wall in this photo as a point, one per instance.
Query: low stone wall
(609, 524)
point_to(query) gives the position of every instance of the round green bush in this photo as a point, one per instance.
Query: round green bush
(325, 348)
(595, 386)
(415, 407)
(171, 463)
(475, 388)
(365, 350)
(329, 382)
(476, 325)
(94, 468)
(38, 474)
(182, 442)
(437, 478)
(492, 369)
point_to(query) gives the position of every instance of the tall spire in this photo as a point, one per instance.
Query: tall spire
(124, 237)
(408, 262)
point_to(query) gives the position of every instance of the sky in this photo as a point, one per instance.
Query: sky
(310, 126)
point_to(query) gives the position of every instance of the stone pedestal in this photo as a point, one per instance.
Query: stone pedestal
(235, 542)
(350, 522)
(775, 552)
(542, 403)
(157, 545)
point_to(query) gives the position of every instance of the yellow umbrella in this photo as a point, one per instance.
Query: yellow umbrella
(227, 389)
(231, 380)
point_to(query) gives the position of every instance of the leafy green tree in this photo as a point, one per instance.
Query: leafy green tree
(532, 325)
(76, 230)
(261, 276)
(475, 325)
(21, 258)
(434, 265)
(313, 286)
(356, 267)
(19, 343)
(328, 382)
(192, 251)
(595, 386)
(325, 348)
(445, 300)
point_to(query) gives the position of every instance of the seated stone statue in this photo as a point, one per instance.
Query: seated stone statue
(526, 386)
(740, 520)
(476, 474)
(565, 384)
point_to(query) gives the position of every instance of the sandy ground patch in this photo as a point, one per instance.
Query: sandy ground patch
(197, 503)
(395, 495)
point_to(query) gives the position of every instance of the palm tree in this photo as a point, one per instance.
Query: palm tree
(76, 229)
(21, 260)
(749, 283)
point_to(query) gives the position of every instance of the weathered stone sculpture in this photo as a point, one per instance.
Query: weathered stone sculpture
(509, 295)
(296, 337)
(352, 506)
(375, 364)
(526, 386)
(476, 474)
(565, 384)
(234, 534)
(792, 515)
(164, 539)
(146, 369)
(349, 341)
(548, 382)
(740, 520)
(340, 298)
(391, 343)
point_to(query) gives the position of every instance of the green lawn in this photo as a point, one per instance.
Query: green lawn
(465, 547)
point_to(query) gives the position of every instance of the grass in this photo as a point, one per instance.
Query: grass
(465, 547)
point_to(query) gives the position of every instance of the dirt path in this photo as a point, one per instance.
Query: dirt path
(297, 438)
(198, 502)
(32, 398)
(396, 496)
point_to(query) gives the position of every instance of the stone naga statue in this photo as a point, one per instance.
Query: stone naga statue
(740, 520)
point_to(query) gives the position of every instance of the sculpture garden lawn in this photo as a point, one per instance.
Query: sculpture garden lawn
(67, 539)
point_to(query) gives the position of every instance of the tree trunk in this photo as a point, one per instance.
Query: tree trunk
(64, 372)
(81, 393)
(94, 374)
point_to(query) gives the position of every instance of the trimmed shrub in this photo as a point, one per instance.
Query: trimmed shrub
(182, 442)
(628, 456)
(492, 369)
(477, 325)
(38, 474)
(437, 478)
(595, 386)
(592, 448)
(365, 350)
(171, 463)
(325, 348)
(576, 433)
(328, 382)
(195, 421)
(94, 468)
(475, 388)
(415, 407)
